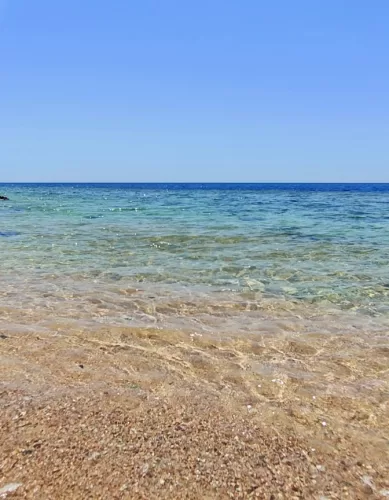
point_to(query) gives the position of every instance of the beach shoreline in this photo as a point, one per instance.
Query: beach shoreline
(152, 413)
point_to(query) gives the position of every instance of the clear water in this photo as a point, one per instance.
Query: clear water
(276, 292)
(217, 255)
(276, 296)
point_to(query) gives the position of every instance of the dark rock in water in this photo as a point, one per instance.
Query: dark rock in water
(4, 198)
(7, 234)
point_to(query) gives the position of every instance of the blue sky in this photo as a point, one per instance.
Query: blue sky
(199, 90)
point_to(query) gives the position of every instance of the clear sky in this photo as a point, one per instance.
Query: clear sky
(201, 90)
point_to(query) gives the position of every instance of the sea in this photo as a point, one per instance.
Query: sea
(224, 261)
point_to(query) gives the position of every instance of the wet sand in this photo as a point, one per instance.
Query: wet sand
(117, 412)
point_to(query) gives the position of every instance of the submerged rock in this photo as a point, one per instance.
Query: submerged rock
(7, 234)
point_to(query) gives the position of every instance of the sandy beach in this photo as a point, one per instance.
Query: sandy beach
(194, 250)
(148, 413)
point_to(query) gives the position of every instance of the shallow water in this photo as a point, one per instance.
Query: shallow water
(276, 293)
(312, 246)
(225, 260)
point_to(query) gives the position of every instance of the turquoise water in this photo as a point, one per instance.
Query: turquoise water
(195, 250)
(279, 291)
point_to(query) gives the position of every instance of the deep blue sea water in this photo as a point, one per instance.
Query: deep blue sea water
(307, 248)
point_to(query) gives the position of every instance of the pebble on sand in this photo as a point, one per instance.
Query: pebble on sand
(9, 488)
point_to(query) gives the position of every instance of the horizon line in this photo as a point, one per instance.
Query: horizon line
(193, 182)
